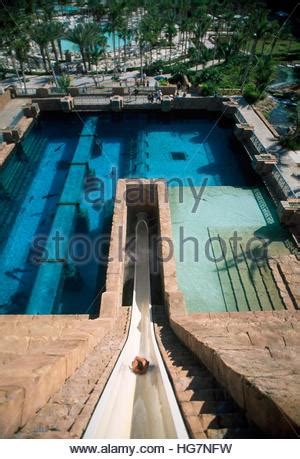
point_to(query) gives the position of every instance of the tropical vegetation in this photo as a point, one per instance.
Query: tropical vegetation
(221, 43)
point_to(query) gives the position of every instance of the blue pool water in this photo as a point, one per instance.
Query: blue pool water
(67, 45)
(58, 155)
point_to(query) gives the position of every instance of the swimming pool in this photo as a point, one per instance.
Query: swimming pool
(62, 182)
(67, 45)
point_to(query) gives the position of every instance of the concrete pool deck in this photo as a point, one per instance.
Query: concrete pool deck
(11, 110)
(288, 160)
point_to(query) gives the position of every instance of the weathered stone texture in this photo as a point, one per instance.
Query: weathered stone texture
(38, 354)
(255, 356)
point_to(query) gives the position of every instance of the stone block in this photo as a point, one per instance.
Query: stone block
(175, 303)
(110, 302)
(39, 376)
(11, 135)
(116, 103)
(67, 103)
(11, 406)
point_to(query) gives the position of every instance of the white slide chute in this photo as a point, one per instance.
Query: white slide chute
(138, 406)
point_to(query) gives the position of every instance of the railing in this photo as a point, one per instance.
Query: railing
(258, 145)
(282, 183)
(28, 92)
(240, 117)
(229, 91)
(58, 91)
(91, 90)
(91, 100)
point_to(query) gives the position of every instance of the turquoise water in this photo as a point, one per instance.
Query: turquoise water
(221, 265)
(44, 191)
(68, 45)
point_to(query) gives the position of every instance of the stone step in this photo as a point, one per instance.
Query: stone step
(207, 408)
(276, 300)
(195, 382)
(226, 287)
(213, 407)
(221, 421)
(33, 326)
(246, 278)
(28, 381)
(230, 433)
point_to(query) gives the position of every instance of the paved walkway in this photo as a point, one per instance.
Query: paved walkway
(11, 111)
(287, 160)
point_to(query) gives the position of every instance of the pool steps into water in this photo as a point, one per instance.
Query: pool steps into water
(246, 285)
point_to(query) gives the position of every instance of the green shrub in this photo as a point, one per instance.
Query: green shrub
(251, 93)
(208, 89)
(163, 82)
(154, 68)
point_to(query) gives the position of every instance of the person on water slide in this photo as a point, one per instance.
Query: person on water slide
(139, 365)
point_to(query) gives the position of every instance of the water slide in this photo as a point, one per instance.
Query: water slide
(138, 406)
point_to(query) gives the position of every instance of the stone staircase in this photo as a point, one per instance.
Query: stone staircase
(68, 411)
(37, 355)
(255, 356)
(208, 410)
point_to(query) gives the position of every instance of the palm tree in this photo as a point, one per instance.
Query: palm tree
(20, 47)
(78, 37)
(88, 38)
(56, 31)
(260, 25)
(115, 22)
(97, 9)
(263, 73)
(40, 35)
(170, 32)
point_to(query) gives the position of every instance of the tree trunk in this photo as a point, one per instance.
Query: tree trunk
(60, 49)
(54, 50)
(23, 75)
(83, 58)
(125, 50)
(114, 52)
(273, 46)
(141, 63)
(17, 73)
(44, 59)
(48, 58)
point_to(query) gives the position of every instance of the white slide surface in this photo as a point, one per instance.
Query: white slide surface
(138, 406)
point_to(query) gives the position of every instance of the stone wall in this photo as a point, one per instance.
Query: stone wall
(255, 356)
(37, 355)
(111, 299)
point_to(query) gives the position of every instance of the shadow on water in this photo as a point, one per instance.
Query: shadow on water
(28, 273)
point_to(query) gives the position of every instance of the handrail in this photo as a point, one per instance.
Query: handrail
(257, 143)
(281, 181)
